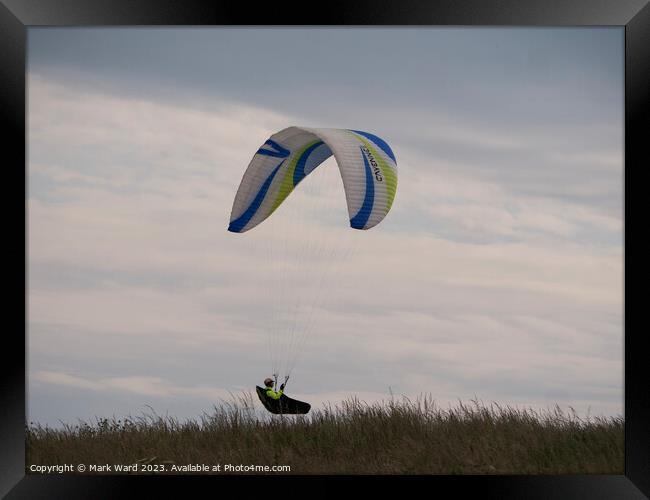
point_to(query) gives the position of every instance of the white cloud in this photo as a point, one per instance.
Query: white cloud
(133, 196)
(144, 386)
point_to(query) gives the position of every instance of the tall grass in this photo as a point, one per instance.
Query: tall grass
(395, 437)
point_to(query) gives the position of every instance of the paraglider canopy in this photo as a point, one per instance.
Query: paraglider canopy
(366, 163)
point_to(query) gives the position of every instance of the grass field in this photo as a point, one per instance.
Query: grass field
(395, 437)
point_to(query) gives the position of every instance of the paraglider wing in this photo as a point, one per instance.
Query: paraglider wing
(366, 163)
(285, 405)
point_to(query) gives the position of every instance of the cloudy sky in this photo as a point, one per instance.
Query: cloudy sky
(498, 273)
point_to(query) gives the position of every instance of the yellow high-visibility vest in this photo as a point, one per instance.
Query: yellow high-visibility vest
(273, 394)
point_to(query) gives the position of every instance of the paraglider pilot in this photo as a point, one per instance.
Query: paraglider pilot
(268, 383)
(277, 402)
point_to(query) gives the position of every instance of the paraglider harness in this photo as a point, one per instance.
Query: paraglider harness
(283, 405)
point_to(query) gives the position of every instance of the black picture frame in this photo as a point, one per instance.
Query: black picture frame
(17, 15)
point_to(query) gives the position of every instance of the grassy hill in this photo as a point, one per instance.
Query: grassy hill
(396, 437)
